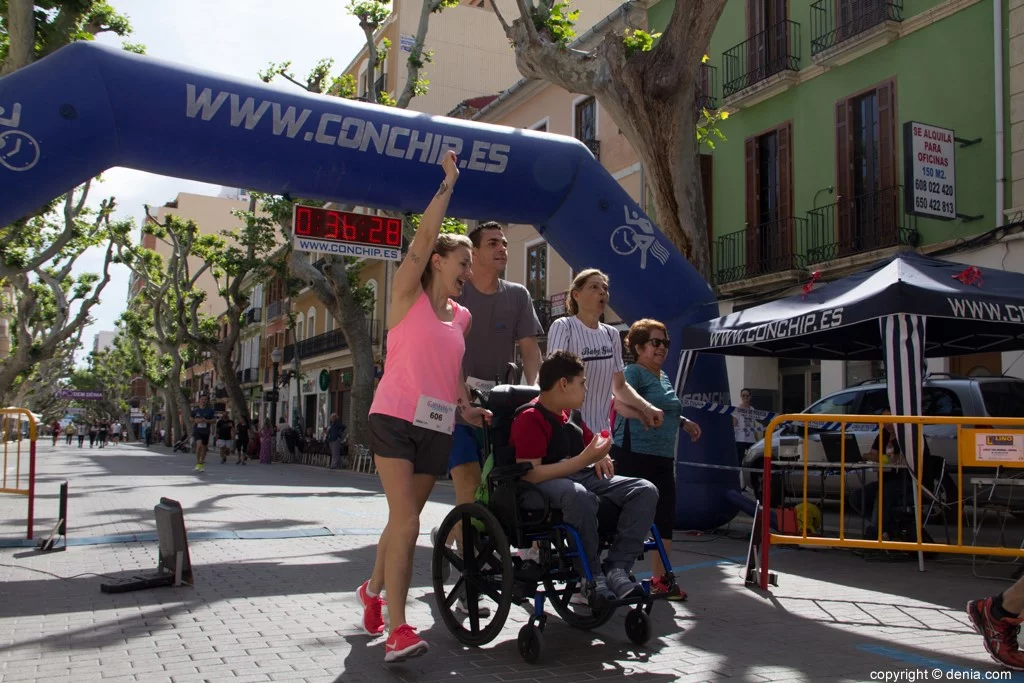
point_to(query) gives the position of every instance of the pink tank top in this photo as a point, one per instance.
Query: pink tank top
(424, 358)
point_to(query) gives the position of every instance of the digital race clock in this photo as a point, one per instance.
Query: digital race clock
(346, 233)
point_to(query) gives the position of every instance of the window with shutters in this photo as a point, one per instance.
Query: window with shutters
(770, 222)
(585, 124)
(867, 191)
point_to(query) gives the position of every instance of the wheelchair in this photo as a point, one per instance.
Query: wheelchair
(517, 515)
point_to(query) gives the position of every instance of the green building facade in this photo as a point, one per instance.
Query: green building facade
(818, 95)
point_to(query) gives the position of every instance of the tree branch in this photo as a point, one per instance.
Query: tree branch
(416, 55)
(501, 19)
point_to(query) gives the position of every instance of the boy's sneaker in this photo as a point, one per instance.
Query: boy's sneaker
(373, 620)
(404, 644)
(1000, 634)
(598, 590)
(660, 585)
(623, 586)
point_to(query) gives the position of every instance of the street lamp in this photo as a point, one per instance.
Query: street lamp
(275, 358)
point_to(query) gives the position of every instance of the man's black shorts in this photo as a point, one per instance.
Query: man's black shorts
(201, 438)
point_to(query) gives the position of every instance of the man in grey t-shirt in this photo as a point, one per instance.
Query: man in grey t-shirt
(503, 315)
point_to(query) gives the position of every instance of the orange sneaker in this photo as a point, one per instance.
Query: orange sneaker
(404, 644)
(373, 619)
(1000, 634)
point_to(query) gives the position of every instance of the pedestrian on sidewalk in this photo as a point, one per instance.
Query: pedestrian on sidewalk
(93, 431)
(202, 417)
(104, 427)
(334, 433)
(267, 443)
(413, 410)
(69, 431)
(225, 432)
(80, 429)
(242, 440)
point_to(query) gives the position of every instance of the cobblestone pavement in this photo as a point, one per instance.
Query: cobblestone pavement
(282, 609)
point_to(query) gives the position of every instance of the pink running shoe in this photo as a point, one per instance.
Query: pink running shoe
(373, 619)
(404, 644)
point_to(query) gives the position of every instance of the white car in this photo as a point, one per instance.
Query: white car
(941, 396)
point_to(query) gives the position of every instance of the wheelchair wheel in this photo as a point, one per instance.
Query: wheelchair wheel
(638, 625)
(576, 615)
(482, 568)
(531, 643)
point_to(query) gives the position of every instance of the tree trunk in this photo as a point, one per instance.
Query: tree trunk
(21, 30)
(226, 370)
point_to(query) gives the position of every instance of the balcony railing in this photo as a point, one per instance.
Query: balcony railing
(327, 342)
(250, 375)
(706, 88)
(758, 250)
(852, 225)
(253, 316)
(854, 17)
(594, 146)
(772, 51)
(274, 309)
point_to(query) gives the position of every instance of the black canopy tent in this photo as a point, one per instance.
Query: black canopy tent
(900, 310)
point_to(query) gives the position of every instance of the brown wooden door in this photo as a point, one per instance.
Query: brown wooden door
(844, 182)
(977, 364)
(888, 201)
(783, 239)
(753, 189)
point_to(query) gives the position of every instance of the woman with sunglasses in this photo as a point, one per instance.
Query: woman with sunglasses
(651, 453)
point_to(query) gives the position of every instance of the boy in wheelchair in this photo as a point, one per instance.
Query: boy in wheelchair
(571, 468)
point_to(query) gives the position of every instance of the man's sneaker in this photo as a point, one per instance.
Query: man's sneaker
(202, 467)
(197, 468)
(1000, 634)
(623, 586)
(462, 607)
(598, 590)
(660, 585)
(373, 620)
(404, 644)
(446, 567)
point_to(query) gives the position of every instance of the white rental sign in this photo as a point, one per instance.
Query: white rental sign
(929, 167)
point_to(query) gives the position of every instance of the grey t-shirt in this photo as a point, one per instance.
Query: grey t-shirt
(499, 320)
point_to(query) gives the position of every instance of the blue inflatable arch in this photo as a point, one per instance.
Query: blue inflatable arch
(88, 108)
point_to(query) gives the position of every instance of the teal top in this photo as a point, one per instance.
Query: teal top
(659, 392)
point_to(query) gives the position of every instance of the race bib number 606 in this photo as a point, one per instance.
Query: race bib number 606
(435, 414)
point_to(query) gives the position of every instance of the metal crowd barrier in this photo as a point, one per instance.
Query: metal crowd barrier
(18, 426)
(998, 443)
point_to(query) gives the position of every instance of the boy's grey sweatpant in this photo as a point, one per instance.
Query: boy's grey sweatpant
(576, 496)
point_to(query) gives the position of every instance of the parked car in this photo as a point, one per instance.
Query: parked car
(942, 395)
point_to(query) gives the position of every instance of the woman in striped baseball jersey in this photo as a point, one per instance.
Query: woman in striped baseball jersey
(600, 347)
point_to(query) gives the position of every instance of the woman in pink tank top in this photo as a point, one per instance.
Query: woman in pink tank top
(414, 407)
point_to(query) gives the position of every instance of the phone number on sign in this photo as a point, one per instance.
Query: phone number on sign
(938, 674)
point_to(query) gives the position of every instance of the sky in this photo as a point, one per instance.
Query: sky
(233, 37)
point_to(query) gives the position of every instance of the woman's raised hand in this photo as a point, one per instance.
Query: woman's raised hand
(450, 164)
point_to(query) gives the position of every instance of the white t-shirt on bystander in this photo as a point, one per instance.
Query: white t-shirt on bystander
(601, 352)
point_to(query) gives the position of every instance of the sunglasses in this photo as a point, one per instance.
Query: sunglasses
(658, 343)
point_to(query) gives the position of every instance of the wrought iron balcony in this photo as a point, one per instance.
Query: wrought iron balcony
(274, 309)
(381, 84)
(835, 21)
(252, 315)
(857, 224)
(250, 375)
(594, 146)
(327, 342)
(757, 250)
(772, 51)
(706, 88)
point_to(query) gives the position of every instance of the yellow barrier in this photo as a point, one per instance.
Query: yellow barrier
(987, 446)
(15, 425)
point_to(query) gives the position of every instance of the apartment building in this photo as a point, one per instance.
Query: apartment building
(837, 108)
(472, 61)
(539, 105)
